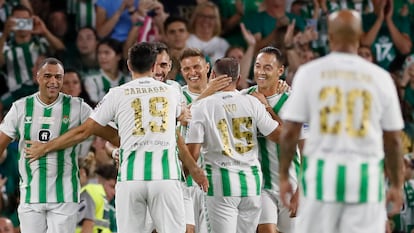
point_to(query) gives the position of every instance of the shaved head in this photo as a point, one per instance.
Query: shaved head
(344, 29)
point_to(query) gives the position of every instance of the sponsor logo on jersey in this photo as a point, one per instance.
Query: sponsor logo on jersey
(46, 120)
(44, 135)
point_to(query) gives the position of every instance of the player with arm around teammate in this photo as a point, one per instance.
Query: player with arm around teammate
(145, 112)
(49, 187)
(223, 131)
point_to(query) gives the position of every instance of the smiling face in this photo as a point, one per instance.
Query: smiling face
(162, 66)
(194, 70)
(205, 22)
(50, 79)
(267, 70)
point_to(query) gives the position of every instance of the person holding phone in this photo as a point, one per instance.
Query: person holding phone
(31, 38)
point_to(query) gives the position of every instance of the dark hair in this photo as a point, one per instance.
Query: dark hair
(50, 61)
(142, 57)
(231, 48)
(228, 66)
(116, 46)
(160, 47)
(84, 94)
(20, 7)
(275, 51)
(191, 52)
(173, 19)
(112, 43)
(107, 171)
(90, 28)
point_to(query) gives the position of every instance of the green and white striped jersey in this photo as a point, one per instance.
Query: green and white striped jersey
(20, 59)
(189, 97)
(404, 221)
(98, 85)
(54, 177)
(84, 11)
(145, 111)
(226, 124)
(269, 152)
(347, 102)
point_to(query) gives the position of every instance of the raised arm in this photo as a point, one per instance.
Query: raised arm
(40, 28)
(3, 39)
(401, 40)
(104, 25)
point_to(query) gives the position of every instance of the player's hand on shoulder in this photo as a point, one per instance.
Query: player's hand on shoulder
(282, 87)
(260, 97)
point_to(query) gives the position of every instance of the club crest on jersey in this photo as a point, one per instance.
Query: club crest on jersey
(44, 135)
(65, 119)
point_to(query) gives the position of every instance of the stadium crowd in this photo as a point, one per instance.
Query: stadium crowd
(269, 39)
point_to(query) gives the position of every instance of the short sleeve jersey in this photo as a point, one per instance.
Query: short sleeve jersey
(54, 177)
(98, 85)
(145, 111)
(269, 151)
(226, 125)
(348, 102)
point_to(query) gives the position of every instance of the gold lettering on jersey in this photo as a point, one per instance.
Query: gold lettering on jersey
(356, 103)
(230, 107)
(151, 143)
(143, 90)
(246, 135)
(332, 110)
(348, 75)
(158, 107)
(241, 130)
(46, 120)
(225, 138)
(138, 129)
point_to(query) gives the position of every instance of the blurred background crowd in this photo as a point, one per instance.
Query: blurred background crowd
(92, 38)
